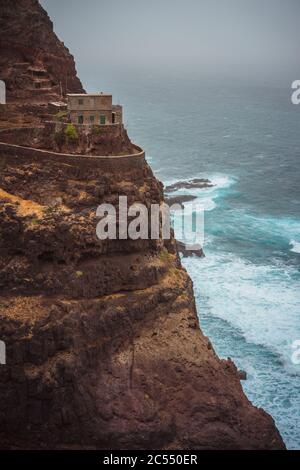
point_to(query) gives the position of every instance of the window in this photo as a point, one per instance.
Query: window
(92, 119)
(80, 101)
(80, 119)
(102, 119)
(113, 118)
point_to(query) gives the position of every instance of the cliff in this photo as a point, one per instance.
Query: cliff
(104, 347)
(34, 64)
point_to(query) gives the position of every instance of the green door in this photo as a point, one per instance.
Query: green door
(102, 119)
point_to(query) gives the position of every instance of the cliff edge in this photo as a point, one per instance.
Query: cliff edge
(34, 63)
(104, 348)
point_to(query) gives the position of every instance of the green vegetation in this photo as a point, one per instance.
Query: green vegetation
(34, 221)
(176, 272)
(61, 116)
(71, 132)
(49, 210)
(165, 256)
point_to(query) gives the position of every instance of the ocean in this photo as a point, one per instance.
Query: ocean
(245, 138)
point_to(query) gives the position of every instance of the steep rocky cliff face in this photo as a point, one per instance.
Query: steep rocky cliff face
(104, 140)
(35, 65)
(33, 62)
(103, 343)
(104, 348)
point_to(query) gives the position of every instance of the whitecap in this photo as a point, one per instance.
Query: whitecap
(222, 181)
(261, 301)
(295, 246)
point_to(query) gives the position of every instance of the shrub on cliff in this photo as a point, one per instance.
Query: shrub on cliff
(61, 116)
(71, 133)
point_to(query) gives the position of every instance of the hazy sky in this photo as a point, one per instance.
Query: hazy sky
(250, 38)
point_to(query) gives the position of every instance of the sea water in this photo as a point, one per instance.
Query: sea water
(246, 139)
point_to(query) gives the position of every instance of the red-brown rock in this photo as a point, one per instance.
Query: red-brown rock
(104, 348)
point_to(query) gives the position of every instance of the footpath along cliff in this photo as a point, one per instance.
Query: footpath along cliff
(104, 347)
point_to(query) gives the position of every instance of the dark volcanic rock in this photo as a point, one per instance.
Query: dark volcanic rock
(195, 183)
(179, 200)
(103, 342)
(34, 63)
(104, 348)
(242, 375)
(186, 251)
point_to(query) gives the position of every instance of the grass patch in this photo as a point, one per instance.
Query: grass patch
(49, 210)
(71, 133)
(34, 221)
(165, 256)
(61, 116)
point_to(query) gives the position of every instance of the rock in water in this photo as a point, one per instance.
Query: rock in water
(103, 344)
(200, 183)
(187, 250)
(179, 199)
(242, 375)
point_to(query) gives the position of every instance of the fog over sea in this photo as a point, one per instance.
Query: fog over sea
(246, 139)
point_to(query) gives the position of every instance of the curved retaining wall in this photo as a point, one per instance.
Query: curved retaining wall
(119, 162)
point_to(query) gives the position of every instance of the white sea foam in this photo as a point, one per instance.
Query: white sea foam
(205, 196)
(262, 301)
(295, 246)
(221, 181)
(205, 202)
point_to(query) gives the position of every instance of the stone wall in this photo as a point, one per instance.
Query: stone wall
(118, 110)
(13, 153)
(108, 140)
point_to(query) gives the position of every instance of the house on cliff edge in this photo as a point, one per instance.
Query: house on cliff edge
(93, 109)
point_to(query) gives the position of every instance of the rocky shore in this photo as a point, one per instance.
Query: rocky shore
(104, 347)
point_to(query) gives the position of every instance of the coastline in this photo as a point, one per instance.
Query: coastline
(103, 338)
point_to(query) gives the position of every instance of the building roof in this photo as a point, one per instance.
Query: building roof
(86, 95)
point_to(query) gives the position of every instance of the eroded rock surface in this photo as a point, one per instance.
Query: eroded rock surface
(103, 343)
(104, 348)
(34, 63)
